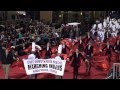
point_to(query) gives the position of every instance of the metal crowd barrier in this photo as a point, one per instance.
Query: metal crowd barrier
(116, 70)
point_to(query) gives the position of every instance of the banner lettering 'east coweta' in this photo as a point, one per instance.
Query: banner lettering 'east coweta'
(52, 66)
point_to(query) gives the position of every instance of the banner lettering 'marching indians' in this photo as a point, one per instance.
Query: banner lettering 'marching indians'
(52, 66)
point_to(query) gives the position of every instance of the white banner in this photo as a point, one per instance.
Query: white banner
(52, 66)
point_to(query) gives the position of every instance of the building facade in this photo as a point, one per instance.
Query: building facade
(55, 16)
(70, 16)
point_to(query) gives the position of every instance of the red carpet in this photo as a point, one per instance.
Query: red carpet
(17, 71)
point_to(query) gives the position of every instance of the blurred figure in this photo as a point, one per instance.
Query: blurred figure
(62, 48)
(59, 57)
(48, 51)
(89, 55)
(108, 48)
(117, 49)
(7, 59)
(30, 57)
(76, 62)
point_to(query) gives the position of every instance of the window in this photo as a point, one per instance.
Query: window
(13, 17)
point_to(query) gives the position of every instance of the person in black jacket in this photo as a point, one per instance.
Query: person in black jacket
(107, 35)
(80, 45)
(7, 59)
(63, 48)
(88, 38)
(48, 51)
(76, 62)
(89, 54)
(108, 52)
(117, 49)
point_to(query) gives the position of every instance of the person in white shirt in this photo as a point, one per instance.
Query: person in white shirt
(57, 37)
(114, 31)
(108, 19)
(118, 27)
(58, 57)
(34, 53)
(100, 32)
(105, 23)
(34, 46)
(62, 48)
(92, 31)
(30, 57)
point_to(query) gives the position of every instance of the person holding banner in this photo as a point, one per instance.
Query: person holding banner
(34, 54)
(59, 57)
(76, 62)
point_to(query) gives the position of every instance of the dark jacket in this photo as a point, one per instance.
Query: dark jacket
(80, 46)
(64, 50)
(89, 51)
(86, 39)
(116, 47)
(108, 50)
(37, 55)
(7, 59)
(76, 60)
(48, 53)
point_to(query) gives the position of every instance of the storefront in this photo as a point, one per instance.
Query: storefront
(76, 16)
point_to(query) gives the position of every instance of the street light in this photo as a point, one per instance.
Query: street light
(81, 13)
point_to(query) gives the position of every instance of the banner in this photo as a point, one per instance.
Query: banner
(34, 66)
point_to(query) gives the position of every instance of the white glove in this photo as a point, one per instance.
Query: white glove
(116, 51)
(100, 50)
(68, 59)
(86, 60)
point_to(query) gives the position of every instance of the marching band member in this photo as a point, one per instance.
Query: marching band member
(106, 35)
(108, 19)
(34, 46)
(80, 45)
(108, 48)
(48, 51)
(100, 32)
(62, 48)
(89, 54)
(105, 23)
(117, 49)
(114, 32)
(88, 38)
(35, 53)
(118, 27)
(76, 62)
(95, 29)
(110, 23)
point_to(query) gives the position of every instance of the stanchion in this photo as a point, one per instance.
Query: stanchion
(116, 70)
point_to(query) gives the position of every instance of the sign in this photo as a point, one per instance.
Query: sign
(34, 66)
